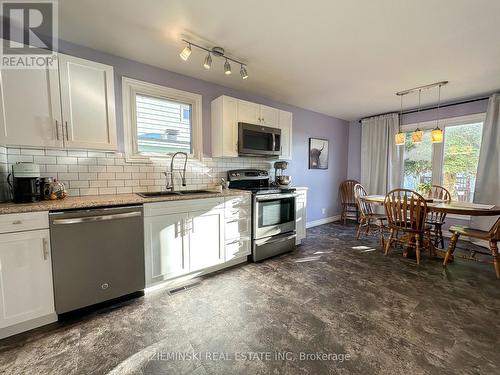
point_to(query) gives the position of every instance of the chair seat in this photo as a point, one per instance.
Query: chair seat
(410, 229)
(377, 216)
(466, 231)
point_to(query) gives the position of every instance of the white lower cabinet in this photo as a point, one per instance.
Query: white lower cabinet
(189, 237)
(26, 290)
(300, 214)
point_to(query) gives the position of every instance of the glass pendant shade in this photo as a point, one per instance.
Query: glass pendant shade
(227, 68)
(437, 135)
(399, 138)
(186, 52)
(417, 136)
(207, 64)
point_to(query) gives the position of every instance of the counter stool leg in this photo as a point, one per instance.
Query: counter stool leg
(496, 260)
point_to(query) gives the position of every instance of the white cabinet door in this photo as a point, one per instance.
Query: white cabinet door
(166, 247)
(285, 124)
(238, 248)
(224, 127)
(206, 238)
(269, 116)
(26, 290)
(30, 111)
(88, 103)
(248, 112)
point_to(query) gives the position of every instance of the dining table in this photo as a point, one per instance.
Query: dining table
(452, 208)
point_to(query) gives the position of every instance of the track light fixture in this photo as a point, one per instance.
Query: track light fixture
(217, 52)
(186, 52)
(208, 62)
(227, 68)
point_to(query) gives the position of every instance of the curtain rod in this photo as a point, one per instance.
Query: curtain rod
(430, 108)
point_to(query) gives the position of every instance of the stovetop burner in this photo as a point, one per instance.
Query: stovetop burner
(267, 190)
(254, 180)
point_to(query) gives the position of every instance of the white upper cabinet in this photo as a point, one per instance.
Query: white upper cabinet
(72, 105)
(88, 103)
(227, 112)
(285, 124)
(248, 112)
(269, 116)
(30, 112)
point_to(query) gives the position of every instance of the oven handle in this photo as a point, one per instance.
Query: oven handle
(269, 197)
(87, 219)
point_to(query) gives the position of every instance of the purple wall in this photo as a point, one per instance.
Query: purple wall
(323, 184)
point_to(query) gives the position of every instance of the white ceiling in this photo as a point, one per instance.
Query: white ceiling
(344, 58)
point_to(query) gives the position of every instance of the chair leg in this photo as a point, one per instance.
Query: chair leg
(343, 215)
(389, 241)
(451, 248)
(381, 229)
(417, 247)
(368, 223)
(358, 232)
(441, 236)
(496, 260)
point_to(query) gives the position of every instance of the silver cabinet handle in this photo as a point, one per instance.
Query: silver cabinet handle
(57, 130)
(233, 242)
(45, 249)
(67, 134)
(88, 219)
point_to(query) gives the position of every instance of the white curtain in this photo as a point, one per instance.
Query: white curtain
(381, 158)
(488, 171)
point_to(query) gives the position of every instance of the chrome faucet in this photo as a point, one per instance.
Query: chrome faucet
(170, 184)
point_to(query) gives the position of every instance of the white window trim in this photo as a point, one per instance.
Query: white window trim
(438, 148)
(131, 87)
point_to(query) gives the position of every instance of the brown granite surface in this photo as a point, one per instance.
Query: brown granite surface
(105, 200)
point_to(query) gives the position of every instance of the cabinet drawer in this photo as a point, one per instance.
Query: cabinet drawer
(236, 228)
(237, 202)
(238, 248)
(239, 213)
(24, 221)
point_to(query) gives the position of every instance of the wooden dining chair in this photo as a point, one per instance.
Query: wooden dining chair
(492, 236)
(436, 219)
(367, 215)
(347, 200)
(406, 214)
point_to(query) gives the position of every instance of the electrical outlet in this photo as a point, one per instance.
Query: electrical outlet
(323, 211)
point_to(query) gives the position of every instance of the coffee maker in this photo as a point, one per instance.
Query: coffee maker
(279, 178)
(25, 184)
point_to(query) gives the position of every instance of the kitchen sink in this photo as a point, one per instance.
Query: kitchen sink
(154, 194)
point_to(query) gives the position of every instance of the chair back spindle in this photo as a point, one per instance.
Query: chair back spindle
(406, 209)
(347, 191)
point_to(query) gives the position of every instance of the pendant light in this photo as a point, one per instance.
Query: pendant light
(437, 133)
(399, 138)
(227, 68)
(208, 62)
(418, 135)
(186, 52)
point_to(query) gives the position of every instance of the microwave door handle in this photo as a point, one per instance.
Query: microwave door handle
(274, 142)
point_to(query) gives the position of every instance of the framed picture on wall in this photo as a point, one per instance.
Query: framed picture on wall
(318, 153)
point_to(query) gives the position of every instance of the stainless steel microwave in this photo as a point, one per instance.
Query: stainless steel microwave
(258, 140)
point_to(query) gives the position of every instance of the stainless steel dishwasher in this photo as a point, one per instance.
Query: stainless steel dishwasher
(97, 255)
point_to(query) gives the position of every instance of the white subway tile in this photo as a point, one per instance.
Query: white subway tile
(56, 168)
(131, 168)
(66, 160)
(87, 161)
(87, 176)
(67, 176)
(114, 168)
(96, 154)
(108, 190)
(146, 182)
(19, 158)
(97, 168)
(89, 191)
(45, 160)
(56, 152)
(32, 151)
(105, 161)
(123, 190)
(105, 176)
(138, 189)
(13, 151)
(82, 154)
(98, 183)
(131, 182)
(78, 184)
(114, 183)
(73, 192)
(78, 168)
(139, 176)
(3, 150)
(123, 176)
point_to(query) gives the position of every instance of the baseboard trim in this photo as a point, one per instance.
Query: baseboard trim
(325, 220)
(26, 326)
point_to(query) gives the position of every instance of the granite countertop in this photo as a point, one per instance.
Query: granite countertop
(105, 200)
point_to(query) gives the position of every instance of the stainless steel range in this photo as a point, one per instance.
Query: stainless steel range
(273, 213)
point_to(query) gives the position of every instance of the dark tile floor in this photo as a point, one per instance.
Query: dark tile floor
(334, 295)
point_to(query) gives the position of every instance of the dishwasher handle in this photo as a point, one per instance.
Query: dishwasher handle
(89, 219)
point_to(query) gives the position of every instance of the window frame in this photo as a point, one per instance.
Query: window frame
(438, 148)
(130, 88)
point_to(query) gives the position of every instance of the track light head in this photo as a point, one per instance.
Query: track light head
(227, 68)
(186, 52)
(243, 72)
(207, 64)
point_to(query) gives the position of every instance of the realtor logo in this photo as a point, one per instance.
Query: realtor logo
(29, 31)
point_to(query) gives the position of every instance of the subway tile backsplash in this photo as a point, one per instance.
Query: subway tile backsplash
(96, 173)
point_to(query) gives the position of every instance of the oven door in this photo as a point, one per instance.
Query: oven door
(257, 140)
(273, 214)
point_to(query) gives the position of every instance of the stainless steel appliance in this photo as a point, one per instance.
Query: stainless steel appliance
(258, 140)
(97, 255)
(273, 213)
(25, 185)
